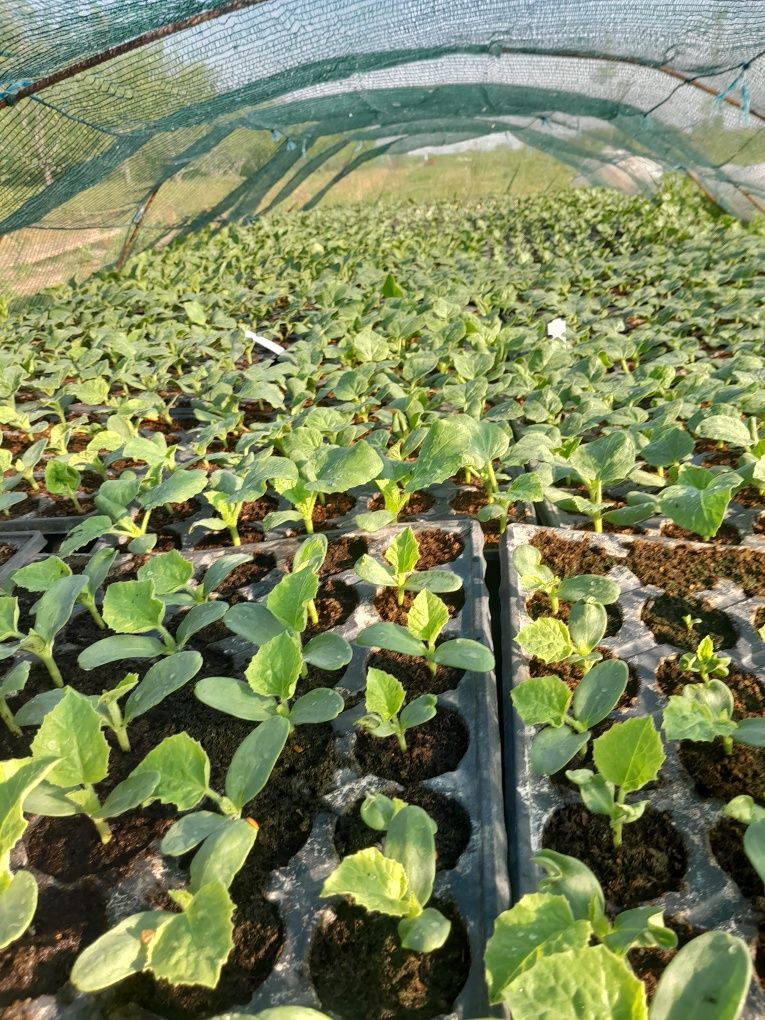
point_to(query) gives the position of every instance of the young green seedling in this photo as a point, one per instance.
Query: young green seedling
(40, 575)
(399, 880)
(287, 608)
(425, 621)
(528, 487)
(569, 910)
(533, 575)
(25, 465)
(743, 809)
(162, 679)
(272, 677)
(322, 469)
(51, 616)
(386, 715)
(71, 734)
(12, 683)
(543, 955)
(402, 555)
(690, 622)
(704, 712)
(61, 479)
(705, 662)
(18, 889)
(547, 701)
(132, 609)
(605, 461)
(552, 640)
(116, 499)
(229, 491)
(171, 574)
(627, 757)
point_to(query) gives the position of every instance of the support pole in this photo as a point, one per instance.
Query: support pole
(135, 226)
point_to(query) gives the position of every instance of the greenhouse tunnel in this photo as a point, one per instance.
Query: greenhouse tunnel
(226, 109)
(382, 509)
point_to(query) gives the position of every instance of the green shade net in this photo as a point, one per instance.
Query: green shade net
(134, 121)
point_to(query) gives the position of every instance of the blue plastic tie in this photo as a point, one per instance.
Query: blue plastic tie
(10, 92)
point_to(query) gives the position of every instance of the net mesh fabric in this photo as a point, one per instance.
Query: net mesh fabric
(144, 120)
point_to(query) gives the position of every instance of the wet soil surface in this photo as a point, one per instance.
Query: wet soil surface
(717, 774)
(726, 535)
(335, 601)
(355, 950)
(414, 673)
(652, 859)
(66, 921)
(432, 749)
(726, 837)
(342, 554)
(437, 547)
(664, 618)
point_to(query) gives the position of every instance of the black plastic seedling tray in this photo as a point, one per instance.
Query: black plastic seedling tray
(708, 897)
(477, 886)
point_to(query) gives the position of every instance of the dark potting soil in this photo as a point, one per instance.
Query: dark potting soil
(650, 963)
(726, 837)
(572, 676)
(432, 749)
(69, 848)
(352, 833)
(414, 673)
(419, 503)
(162, 517)
(567, 559)
(82, 630)
(258, 942)
(6, 551)
(65, 922)
(652, 859)
(437, 547)
(336, 504)
(664, 618)
(726, 535)
(334, 603)
(387, 606)
(245, 575)
(468, 501)
(682, 569)
(748, 692)
(60, 506)
(759, 525)
(319, 678)
(342, 554)
(538, 605)
(717, 774)
(749, 497)
(360, 971)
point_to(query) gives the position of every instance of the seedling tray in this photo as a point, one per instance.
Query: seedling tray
(477, 886)
(708, 898)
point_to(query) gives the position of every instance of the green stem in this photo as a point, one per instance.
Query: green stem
(400, 596)
(597, 520)
(401, 739)
(77, 504)
(167, 637)
(493, 487)
(235, 539)
(122, 738)
(618, 826)
(90, 605)
(53, 671)
(554, 604)
(7, 717)
(727, 745)
(313, 613)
